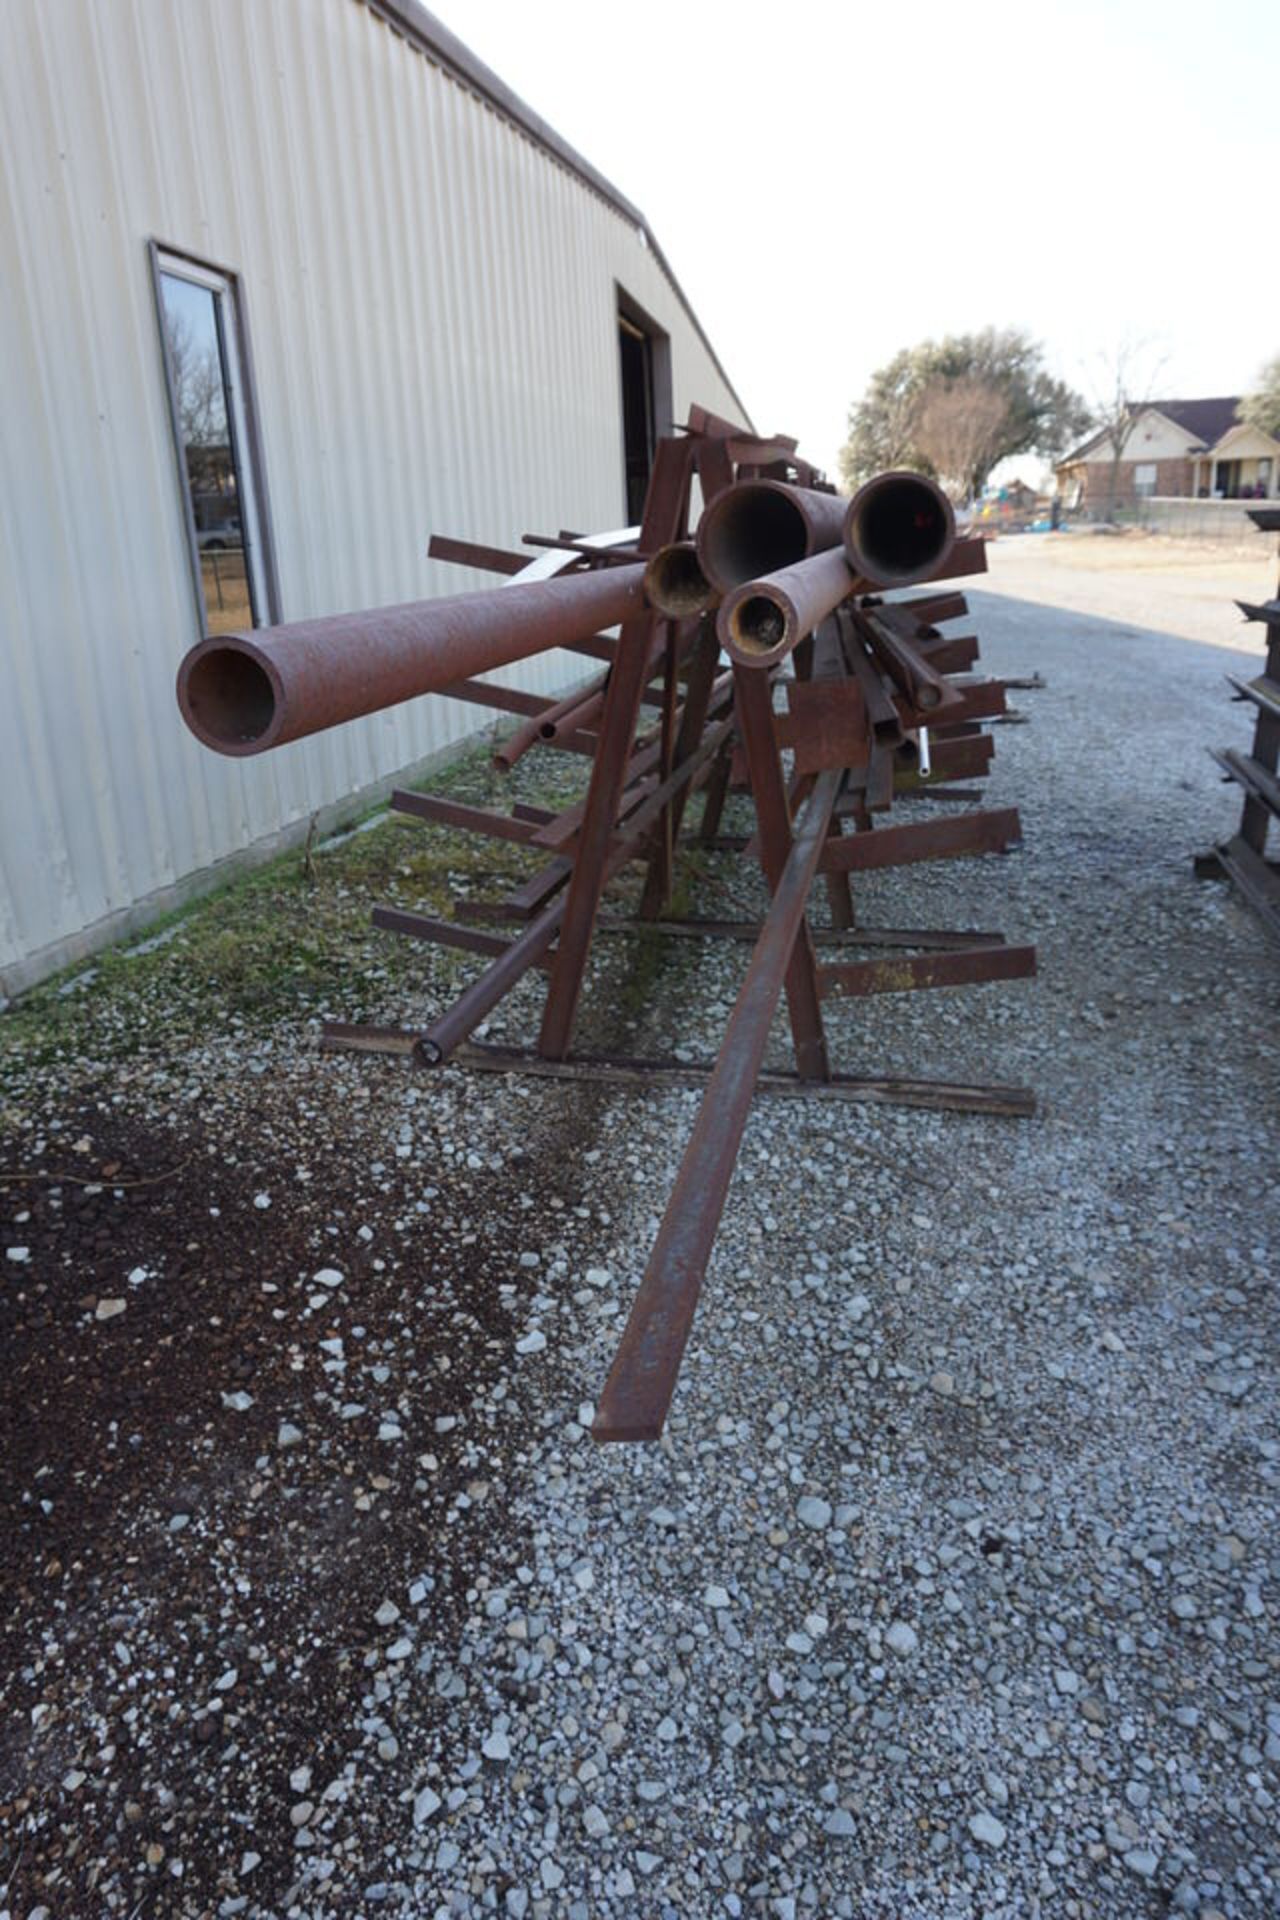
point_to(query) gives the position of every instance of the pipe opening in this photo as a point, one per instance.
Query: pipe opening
(756, 531)
(229, 698)
(758, 625)
(676, 584)
(901, 531)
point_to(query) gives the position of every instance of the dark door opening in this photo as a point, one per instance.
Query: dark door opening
(636, 349)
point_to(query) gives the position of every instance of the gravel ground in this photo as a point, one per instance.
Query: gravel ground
(954, 1588)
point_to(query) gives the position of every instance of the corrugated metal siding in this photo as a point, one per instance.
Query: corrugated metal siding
(430, 298)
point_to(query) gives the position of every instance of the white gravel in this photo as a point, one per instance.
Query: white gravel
(954, 1586)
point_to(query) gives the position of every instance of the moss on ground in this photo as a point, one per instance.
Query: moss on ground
(291, 941)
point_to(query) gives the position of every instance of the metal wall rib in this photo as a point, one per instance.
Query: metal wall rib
(431, 300)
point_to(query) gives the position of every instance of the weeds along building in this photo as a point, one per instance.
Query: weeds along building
(285, 287)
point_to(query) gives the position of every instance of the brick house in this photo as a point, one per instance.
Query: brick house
(1176, 449)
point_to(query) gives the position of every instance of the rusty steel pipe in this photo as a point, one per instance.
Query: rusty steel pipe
(760, 622)
(242, 693)
(758, 526)
(551, 724)
(898, 529)
(637, 1394)
(675, 583)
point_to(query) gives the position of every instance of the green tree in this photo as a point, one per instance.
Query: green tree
(1039, 412)
(1261, 408)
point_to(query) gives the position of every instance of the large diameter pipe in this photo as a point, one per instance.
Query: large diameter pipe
(637, 1394)
(242, 693)
(898, 529)
(760, 622)
(759, 526)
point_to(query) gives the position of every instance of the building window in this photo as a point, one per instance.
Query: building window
(1144, 479)
(206, 363)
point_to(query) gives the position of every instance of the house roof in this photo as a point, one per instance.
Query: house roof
(1208, 420)
(430, 36)
(1205, 420)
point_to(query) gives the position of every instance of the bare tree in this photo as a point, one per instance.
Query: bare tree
(1124, 387)
(959, 428)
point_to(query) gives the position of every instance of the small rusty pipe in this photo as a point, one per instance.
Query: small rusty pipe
(756, 527)
(242, 693)
(549, 724)
(898, 529)
(675, 583)
(760, 622)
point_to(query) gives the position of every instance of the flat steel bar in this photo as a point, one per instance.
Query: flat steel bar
(950, 656)
(953, 760)
(453, 813)
(657, 1076)
(931, 609)
(526, 900)
(470, 553)
(919, 972)
(439, 933)
(483, 693)
(693, 720)
(838, 885)
(753, 705)
(951, 839)
(637, 1394)
(663, 522)
(606, 556)
(717, 794)
(748, 932)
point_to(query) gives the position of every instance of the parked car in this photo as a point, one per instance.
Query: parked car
(217, 539)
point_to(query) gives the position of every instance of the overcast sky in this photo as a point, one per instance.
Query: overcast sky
(831, 182)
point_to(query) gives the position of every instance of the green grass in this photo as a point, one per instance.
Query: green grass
(291, 940)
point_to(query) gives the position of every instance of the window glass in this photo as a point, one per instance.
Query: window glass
(207, 396)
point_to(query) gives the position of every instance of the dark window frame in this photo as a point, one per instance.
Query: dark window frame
(247, 459)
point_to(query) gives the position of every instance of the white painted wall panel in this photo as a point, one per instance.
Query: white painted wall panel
(430, 299)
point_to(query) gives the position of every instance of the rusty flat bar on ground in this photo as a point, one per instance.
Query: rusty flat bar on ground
(749, 931)
(637, 1393)
(647, 1075)
(949, 839)
(916, 973)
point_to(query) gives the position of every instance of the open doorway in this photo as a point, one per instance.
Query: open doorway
(645, 364)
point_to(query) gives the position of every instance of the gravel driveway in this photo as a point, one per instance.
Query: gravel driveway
(954, 1588)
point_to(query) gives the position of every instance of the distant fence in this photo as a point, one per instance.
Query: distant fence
(1199, 519)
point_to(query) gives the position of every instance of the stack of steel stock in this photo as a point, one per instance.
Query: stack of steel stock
(790, 580)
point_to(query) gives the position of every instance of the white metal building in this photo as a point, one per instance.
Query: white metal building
(285, 286)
